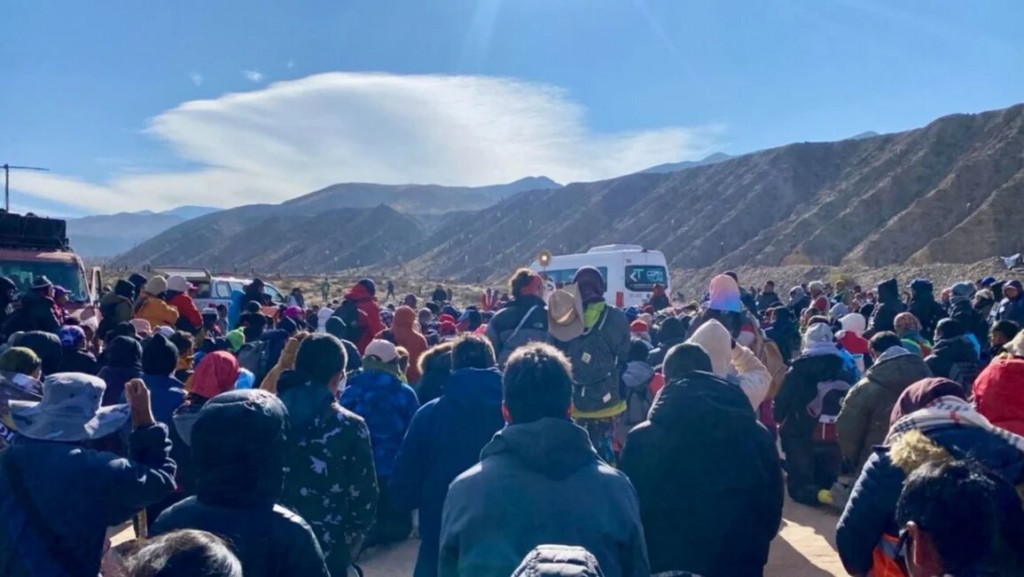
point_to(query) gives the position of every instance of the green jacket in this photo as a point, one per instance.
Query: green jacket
(863, 422)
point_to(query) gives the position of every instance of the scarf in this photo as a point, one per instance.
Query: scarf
(592, 314)
(949, 411)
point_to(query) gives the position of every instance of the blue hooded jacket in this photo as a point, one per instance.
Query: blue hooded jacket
(387, 405)
(445, 439)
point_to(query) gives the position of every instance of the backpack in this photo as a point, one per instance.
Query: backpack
(350, 314)
(595, 369)
(255, 358)
(825, 408)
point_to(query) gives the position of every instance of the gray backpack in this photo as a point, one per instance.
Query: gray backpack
(595, 369)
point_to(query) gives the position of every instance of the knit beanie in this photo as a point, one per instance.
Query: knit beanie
(159, 356)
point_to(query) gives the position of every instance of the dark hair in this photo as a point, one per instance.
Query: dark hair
(520, 280)
(184, 553)
(252, 307)
(955, 503)
(222, 308)
(537, 383)
(183, 341)
(321, 357)
(884, 341)
(685, 358)
(818, 320)
(473, 352)
(769, 282)
(638, 350)
(1007, 328)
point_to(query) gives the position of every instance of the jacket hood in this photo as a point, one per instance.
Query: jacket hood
(124, 352)
(922, 289)
(238, 445)
(896, 373)
(555, 448)
(405, 319)
(672, 329)
(700, 401)
(889, 291)
(996, 393)
(714, 338)
(303, 398)
(915, 448)
(956, 348)
(637, 374)
(124, 288)
(46, 346)
(854, 323)
(474, 387)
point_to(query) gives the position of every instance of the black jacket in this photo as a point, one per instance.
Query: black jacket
(800, 387)
(955, 359)
(238, 445)
(924, 307)
(701, 513)
(36, 314)
(78, 361)
(964, 313)
(657, 356)
(766, 301)
(883, 317)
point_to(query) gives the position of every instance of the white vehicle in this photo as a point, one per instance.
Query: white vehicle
(214, 290)
(630, 271)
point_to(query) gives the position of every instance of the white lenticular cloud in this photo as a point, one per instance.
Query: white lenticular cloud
(293, 137)
(253, 75)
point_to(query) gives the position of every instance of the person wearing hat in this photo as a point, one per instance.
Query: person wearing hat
(240, 449)
(151, 306)
(1012, 306)
(596, 339)
(59, 493)
(117, 306)
(812, 464)
(20, 371)
(368, 320)
(75, 358)
(189, 318)
(377, 394)
(37, 311)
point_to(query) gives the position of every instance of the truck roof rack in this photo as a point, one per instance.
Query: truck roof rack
(31, 231)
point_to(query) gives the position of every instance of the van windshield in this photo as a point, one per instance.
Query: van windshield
(642, 278)
(564, 276)
(64, 274)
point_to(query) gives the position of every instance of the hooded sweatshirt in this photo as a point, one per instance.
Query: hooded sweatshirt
(369, 315)
(883, 318)
(703, 513)
(737, 364)
(329, 477)
(238, 445)
(124, 363)
(444, 439)
(924, 308)
(554, 489)
(863, 421)
(997, 393)
(406, 332)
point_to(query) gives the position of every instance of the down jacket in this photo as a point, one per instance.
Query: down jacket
(864, 419)
(704, 514)
(511, 328)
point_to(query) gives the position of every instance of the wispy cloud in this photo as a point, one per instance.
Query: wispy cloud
(289, 64)
(253, 75)
(293, 137)
(196, 78)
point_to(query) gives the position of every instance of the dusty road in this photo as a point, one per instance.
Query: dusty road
(804, 548)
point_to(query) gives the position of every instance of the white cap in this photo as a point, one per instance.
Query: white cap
(383, 350)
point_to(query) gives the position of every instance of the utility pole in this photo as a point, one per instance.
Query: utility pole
(7, 181)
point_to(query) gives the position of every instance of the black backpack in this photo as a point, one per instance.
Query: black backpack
(350, 314)
(825, 409)
(595, 369)
(255, 358)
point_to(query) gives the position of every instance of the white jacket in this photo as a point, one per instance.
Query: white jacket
(737, 364)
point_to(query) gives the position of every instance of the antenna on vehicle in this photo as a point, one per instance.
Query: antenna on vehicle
(7, 181)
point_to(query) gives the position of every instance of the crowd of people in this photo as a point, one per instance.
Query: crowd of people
(536, 432)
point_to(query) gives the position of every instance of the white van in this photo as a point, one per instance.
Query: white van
(630, 271)
(214, 290)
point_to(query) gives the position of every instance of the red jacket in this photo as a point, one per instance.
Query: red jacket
(187, 310)
(999, 394)
(854, 344)
(369, 315)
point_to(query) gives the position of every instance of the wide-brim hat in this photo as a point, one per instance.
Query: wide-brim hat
(41, 282)
(565, 313)
(70, 411)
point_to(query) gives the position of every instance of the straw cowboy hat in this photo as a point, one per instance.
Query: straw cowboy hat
(565, 313)
(70, 411)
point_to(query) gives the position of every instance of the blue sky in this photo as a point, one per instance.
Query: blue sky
(155, 104)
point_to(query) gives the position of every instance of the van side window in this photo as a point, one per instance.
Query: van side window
(642, 278)
(222, 290)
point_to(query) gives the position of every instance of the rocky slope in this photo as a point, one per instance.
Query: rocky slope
(948, 192)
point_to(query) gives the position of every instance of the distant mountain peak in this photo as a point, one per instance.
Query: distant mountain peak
(863, 135)
(686, 164)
